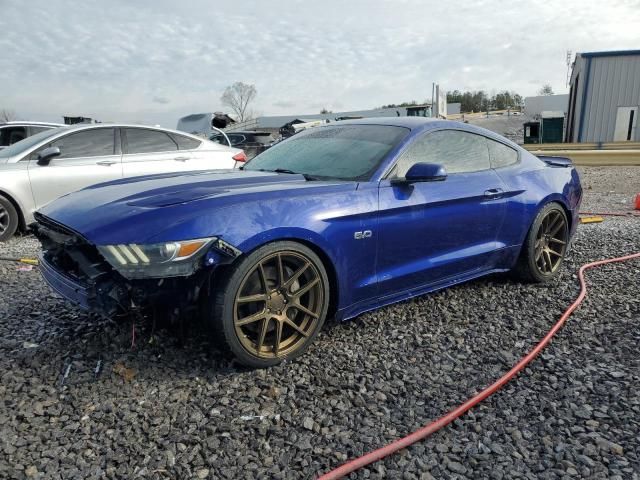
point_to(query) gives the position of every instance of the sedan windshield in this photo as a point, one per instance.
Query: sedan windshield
(342, 152)
(19, 147)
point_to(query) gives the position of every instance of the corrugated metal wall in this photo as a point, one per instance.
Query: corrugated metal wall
(614, 81)
(575, 100)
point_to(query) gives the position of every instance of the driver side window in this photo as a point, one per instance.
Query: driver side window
(89, 143)
(459, 152)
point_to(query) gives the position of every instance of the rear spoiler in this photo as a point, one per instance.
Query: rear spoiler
(556, 161)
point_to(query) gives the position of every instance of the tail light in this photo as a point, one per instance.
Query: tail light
(240, 157)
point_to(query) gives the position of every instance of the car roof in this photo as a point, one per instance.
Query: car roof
(421, 124)
(29, 122)
(407, 122)
(84, 126)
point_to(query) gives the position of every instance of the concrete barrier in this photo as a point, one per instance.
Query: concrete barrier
(583, 146)
(595, 158)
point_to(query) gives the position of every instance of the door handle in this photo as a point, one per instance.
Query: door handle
(493, 193)
(106, 163)
(181, 159)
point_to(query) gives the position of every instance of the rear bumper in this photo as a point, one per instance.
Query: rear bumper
(80, 294)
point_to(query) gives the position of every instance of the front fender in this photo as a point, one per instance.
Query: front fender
(15, 185)
(325, 223)
(283, 233)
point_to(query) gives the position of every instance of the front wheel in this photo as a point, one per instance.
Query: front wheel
(271, 305)
(545, 247)
(9, 219)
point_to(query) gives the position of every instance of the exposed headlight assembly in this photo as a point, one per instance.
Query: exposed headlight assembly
(170, 259)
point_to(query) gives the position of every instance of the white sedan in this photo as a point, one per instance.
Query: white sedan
(55, 162)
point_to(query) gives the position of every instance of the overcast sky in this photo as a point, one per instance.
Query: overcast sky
(155, 61)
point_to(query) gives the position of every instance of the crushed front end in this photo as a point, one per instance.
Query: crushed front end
(114, 279)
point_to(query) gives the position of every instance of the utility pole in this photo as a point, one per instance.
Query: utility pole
(433, 94)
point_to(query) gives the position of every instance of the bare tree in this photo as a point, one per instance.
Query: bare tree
(546, 90)
(238, 97)
(7, 115)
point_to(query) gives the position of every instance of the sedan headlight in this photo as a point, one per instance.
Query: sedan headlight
(169, 259)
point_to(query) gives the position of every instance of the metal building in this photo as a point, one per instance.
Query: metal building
(604, 97)
(534, 106)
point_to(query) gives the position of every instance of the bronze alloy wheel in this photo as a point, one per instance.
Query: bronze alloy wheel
(551, 242)
(278, 305)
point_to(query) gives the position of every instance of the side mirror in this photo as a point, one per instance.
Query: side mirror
(45, 156)
(422, 172)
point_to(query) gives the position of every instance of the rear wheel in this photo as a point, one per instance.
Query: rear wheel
(545, 246)
(9, 219)
(272, 304)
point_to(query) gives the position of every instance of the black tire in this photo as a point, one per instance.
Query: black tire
(534, 266)
(256, 275)
(9, 219)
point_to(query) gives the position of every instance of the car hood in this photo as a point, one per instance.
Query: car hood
(139, 208)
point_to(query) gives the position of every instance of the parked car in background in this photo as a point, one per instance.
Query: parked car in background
(297, 125)
(57, 161)
(251, 142)
(335, 221)
(13, 132)
(205, 124)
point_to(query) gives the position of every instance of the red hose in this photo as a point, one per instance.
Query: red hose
(436, 425)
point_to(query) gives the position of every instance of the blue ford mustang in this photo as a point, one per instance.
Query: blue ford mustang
(337, 220)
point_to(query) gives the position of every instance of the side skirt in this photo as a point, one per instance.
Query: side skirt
(368, 305)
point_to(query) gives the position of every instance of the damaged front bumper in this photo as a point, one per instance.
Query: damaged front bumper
(81, 295)
(77, 270)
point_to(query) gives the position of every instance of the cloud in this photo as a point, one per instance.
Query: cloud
(112, 63)
(284, 104)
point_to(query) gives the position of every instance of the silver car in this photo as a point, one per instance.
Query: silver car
(52, 163)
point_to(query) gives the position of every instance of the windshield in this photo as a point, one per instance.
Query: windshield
(343, 152)
(19, 147)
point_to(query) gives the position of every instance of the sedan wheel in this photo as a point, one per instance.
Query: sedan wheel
(8, 219)
(273, 304)
(545, 246)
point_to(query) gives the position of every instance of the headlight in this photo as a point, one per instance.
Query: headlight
(170, 259)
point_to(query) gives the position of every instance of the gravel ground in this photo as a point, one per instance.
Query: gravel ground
(170, 409)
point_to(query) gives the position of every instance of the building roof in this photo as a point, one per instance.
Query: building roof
(610, 53)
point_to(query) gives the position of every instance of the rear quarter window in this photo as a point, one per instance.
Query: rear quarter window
(185, 143)
(501, 155)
